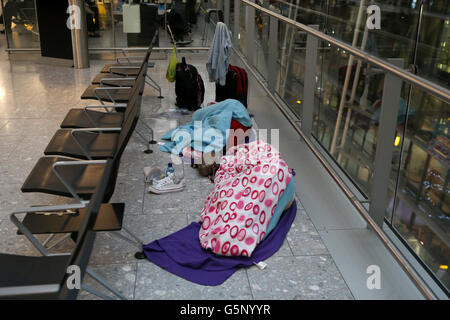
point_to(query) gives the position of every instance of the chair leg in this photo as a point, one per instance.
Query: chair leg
(155, 85)
(140, 255)
(121, 236)
(43, 250)
(34, 241)
(152, 141)
(49, 238)
(96, 292)
(105, 284)
(61, 239)
(148, 150)
(27, 233)
(138, 240)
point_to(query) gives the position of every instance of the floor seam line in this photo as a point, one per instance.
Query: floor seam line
(249, 284)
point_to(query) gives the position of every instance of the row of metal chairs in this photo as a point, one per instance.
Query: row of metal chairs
(81, 162)
(55, 276)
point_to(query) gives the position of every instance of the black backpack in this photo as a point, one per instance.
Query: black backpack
(189, 86)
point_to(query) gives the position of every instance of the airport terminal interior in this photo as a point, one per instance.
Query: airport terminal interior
(352, 95)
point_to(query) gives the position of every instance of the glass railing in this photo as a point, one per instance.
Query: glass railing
(405, 148)
(417, 32)
(419, 199)
(116, 27)
(242, 35)
(261, 43)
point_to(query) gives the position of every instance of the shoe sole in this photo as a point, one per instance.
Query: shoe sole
(164, 191)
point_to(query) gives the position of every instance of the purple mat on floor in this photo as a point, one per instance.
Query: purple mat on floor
(180, 253)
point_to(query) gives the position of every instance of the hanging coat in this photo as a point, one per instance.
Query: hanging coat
(219, 54)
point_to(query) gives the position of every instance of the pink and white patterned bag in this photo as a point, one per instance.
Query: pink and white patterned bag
(250, 180)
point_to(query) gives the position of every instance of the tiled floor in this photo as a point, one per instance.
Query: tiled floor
(33, 101)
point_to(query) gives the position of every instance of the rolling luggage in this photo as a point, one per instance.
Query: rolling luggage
(236, 86)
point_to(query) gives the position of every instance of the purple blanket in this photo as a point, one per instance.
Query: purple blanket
(180, 253)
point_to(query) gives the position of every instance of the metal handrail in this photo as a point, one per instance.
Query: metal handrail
(137, 49)
(432, 88)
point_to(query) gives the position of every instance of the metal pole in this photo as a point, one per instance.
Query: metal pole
(287, 55)
(385, 143)
(283, 57)
(237, 6)
(309, 86)
(346, 81)
(165, 18)
(226, 13)
(250, 33)
(8, 45)
(265, 30)
(273, 53)
(352, 97)
(113, 24)
(79, 38)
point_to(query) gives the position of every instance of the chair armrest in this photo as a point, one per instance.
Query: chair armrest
(102, 106)
(123, 67)
(111, 88)
(107, 90)
(129, 58)
(116, 79)
(46, 209)
(85, 151)
(54, 208)
(96, 129)
(124, 54)
(69, 188)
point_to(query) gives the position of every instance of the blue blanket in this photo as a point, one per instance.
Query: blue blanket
(207, 130)
(286, 197)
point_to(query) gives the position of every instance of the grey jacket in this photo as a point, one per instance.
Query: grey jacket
(219, 54)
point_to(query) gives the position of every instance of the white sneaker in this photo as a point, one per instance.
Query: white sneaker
(166, 185)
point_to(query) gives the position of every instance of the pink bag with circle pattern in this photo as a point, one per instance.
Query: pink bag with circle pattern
(250, 180)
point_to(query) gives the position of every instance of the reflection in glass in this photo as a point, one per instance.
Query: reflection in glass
(242, 36)
(20, 24)
(261, 42)
(418, 204)
(422, 202)
(189, 24)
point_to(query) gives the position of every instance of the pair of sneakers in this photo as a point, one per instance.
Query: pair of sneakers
(166, 185)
